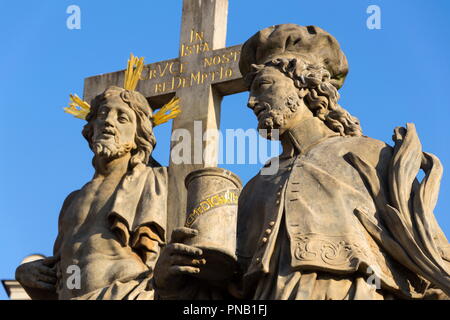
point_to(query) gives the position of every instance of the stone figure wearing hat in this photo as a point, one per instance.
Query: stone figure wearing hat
(110, 230)
(344, 216)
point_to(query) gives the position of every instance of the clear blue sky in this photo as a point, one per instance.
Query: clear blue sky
(398, 74)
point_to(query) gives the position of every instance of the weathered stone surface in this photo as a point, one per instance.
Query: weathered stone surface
(339, 205)
(161, 80)
(109, 231)
(203, 73)
(293, 41)
(200, 76)
(13, 288)
(212, 200)
(344, 217)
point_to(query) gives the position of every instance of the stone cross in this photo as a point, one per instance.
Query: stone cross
(204, 72)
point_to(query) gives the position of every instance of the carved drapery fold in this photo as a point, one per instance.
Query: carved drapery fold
(407, 228)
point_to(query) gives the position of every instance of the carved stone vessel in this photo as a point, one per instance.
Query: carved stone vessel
(212, 209)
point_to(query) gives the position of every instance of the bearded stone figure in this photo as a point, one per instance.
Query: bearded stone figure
(344, 216)
(112, 228)
(343, 209)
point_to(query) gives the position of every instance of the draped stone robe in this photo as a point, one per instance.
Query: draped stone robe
(298, 235)
(118, 242)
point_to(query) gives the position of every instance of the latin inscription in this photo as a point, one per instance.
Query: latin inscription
(227, 197)
(178, 75)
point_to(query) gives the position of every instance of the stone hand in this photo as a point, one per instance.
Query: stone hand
(177, 260)
(39, 274)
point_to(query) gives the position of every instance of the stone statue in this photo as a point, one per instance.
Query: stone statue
(113, 227)
(344, 217)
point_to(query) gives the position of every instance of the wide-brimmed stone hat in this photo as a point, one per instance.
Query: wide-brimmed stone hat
(294, 41)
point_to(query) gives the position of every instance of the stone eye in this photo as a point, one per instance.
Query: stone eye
(102, 113)
(264, 82)
(123, 119)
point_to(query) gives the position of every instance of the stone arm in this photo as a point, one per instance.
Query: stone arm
(145, 241)
(60, 236)
(40, 278)
(175, 271)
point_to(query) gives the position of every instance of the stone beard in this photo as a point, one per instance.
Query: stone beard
(313, 90)
(111, 150)
(275, 117)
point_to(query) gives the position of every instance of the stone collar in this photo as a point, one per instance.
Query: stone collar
(305, 135)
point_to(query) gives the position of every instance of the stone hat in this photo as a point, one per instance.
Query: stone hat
(294, 41)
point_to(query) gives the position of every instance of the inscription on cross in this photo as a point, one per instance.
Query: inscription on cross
(218, 66)
(204, 72)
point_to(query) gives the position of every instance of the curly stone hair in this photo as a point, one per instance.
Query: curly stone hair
(145, 139)
(320, 96)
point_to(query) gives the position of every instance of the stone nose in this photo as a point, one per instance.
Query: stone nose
(109, 120)
(251, 102)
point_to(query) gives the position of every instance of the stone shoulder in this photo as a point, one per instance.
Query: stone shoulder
(373, 151)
